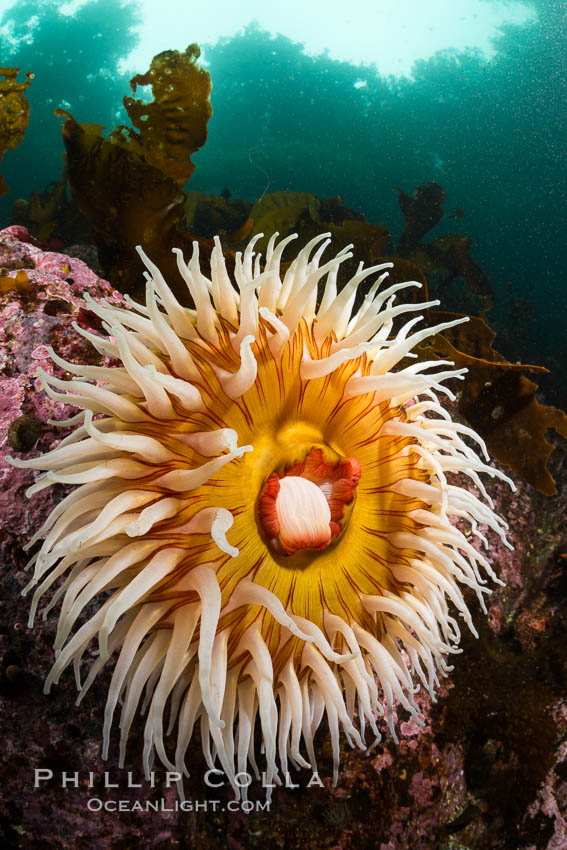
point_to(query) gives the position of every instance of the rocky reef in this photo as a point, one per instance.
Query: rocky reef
(487, 770)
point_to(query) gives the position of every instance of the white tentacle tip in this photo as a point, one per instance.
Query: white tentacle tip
(231, 439)
(343, 659)
(242, 450)
(248, 340)
(218, 532)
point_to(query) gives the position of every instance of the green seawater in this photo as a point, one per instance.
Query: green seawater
(492, 132)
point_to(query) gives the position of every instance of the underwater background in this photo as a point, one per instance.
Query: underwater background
(457, 167)
(491, 132)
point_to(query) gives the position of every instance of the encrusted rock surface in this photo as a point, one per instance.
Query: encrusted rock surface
(487, 770)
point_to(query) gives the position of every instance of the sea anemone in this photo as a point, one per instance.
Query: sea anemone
(263, 498)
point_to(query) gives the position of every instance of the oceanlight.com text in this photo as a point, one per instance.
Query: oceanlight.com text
(95, 804)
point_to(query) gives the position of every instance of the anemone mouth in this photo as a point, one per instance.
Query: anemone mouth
(262, 498)
(305, 505)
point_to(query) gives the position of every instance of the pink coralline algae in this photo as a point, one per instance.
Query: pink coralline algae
(487, 770)
(29, 322)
